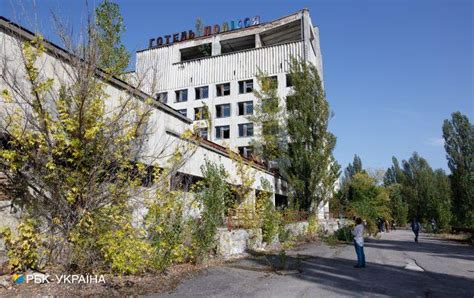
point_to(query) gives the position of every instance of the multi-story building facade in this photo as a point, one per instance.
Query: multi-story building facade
(219, 69)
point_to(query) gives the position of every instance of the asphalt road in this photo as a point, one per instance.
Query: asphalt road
(396, 266)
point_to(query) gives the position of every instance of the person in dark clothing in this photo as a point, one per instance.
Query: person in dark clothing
(415, 227)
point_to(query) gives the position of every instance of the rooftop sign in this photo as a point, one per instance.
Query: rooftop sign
(207, 31)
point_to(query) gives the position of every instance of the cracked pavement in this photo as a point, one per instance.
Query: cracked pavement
(396, 266)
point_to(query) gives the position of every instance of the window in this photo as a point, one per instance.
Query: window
(223, 89)
(198, 113)
(196, 52)
(245, 108)
(246, 151)
(246, 130)
(202, 92)
(183, 112)
(162, 97)
(181, 95)
(222, 132)
(245, 86)
(274, 80)
(289, 82)
(223, 111)
(203, 133)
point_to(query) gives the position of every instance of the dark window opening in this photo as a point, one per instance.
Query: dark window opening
(281, 202)
(181, 95)
(223, 132)
(202, 92)
(201, 51)
(200, 113)
(245, 108)
(203, 133)
(289, 82)
(282, 34)
(223, 89)
(183, 182)
(246, 151)
(238, 44)
(245, 86)
(246, 130)
(162, 97)
(223, 111)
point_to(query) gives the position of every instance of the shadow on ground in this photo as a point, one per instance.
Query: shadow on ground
(338, 276)
(427, 245)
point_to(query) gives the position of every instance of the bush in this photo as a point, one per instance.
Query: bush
(126, 251)
(22, 250)
(166, 228)
(344, 234)
(213, 193)
(270, 218)
(312, 225)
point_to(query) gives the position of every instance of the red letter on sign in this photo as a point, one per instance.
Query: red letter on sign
(183, 36)
(207, 30)
(217, 29)
(191, 34)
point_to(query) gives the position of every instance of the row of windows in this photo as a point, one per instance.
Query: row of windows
(222, 132)
(222, 111)
(223, 89)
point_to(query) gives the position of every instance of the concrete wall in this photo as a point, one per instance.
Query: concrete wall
(163, 120)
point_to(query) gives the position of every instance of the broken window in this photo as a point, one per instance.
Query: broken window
(246, 130)
(201, 51)
(162, 97)
(203, 133)
(223, 111)
(182, 95)
(245, 86)
(202, 92)
(245, 108)
(246, 151)
(223, 132)
(223, 89)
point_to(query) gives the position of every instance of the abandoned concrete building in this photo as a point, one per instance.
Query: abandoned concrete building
(217, 69)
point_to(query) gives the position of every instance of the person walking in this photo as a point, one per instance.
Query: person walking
(434, 229)
(358, 233)
(415, 227)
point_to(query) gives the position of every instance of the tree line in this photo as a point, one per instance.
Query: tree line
(412, 188)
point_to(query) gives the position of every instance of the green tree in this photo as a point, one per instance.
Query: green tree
(368, 201)
(426, 192)
(353, 168)
(267, 116)
(113, 56)
(398, 206)
(308, 162)
(458, 134)
(212, 194)
(344, 195)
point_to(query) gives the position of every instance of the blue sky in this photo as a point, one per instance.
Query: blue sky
(394, 69)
